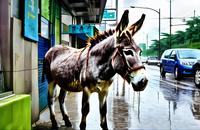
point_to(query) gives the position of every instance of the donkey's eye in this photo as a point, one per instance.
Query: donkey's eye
(128, 52)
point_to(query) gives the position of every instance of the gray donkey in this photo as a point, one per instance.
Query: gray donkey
(91, 69)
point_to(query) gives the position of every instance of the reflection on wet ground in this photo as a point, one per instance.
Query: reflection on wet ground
(160, 106)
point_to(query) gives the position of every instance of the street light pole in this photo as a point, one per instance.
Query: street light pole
(158, 27)
(170, 24)
(159, 36)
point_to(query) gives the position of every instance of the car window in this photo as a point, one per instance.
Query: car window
(189, 54)
(173, 55)
(166, 54)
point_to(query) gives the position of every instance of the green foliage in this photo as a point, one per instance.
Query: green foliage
(187, 39)
(192, 45)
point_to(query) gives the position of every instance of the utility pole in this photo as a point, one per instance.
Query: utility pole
(170, 24)
(147, 41)
(158, 12)
(147, 45)
(159, 55)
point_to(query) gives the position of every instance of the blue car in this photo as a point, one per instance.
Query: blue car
(178, 62)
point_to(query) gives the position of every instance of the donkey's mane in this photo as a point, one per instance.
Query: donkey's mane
(99, 37)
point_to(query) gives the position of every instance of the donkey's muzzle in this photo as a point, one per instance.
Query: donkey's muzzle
(141, 85)
(139, 79)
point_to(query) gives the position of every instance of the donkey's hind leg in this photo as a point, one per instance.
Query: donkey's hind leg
(51, 100)
(63, 109)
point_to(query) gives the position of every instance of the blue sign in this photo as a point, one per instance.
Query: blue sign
(109, 14)
(80, 29)
(31, 19)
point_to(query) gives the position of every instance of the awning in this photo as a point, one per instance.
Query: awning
(90, 10)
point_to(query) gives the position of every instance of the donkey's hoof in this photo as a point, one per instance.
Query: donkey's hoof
(67, 121)
(82, 125)
(68, 124)
(55, 126)
(104, 126)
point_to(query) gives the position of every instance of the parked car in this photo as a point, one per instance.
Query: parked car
(196, 70)
(179, 62)
(144, 59)
(152, 60)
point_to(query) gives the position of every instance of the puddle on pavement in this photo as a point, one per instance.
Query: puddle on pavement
(159, 106)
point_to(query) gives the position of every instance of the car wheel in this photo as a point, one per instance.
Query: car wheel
(177, 74)
(162, 72)
(197, 78)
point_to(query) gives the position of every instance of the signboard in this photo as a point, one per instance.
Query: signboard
(109, 14)
(79, 29)
(31, 19)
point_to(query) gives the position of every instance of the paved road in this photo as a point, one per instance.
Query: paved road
(164, 104)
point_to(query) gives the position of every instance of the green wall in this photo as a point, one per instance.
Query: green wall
(15, 113)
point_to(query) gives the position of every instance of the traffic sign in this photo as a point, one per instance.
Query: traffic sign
(109, 15)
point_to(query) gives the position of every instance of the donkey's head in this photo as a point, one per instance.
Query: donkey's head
(126, 59)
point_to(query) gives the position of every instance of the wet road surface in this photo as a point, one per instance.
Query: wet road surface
(164, 104)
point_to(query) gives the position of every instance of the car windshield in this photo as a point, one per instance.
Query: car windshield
(189, 54)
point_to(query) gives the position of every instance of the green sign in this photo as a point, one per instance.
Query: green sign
(109, 15)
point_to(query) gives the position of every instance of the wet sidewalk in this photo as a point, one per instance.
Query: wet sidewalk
(159, 106)
(121, 100)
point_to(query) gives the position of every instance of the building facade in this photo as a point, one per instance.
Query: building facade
(28, 28)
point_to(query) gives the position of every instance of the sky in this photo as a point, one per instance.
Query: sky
(180, 10)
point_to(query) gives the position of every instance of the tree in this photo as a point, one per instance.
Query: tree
(193, 31)
(179, 37)
(191, 35)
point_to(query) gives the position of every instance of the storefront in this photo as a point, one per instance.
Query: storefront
(49, 28)
(28, 29)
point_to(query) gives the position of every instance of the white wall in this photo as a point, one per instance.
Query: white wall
(25, 66)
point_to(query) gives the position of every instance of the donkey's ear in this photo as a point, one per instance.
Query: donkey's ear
(136, 26)
(123, 23)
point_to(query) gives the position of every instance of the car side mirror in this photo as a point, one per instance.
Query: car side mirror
(173, 57)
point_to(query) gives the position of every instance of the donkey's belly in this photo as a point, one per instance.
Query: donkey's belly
(74, 86)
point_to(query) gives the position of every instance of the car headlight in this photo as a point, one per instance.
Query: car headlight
(184, 63)
(187, 63)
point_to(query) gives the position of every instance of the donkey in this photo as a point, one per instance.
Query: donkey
(91, 69)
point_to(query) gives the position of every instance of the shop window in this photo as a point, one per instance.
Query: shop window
(2, 86)
(44, 28)
(5, 49)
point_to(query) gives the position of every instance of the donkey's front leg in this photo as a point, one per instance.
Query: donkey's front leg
(63, 108)
(85, 107)
(51, 99)
(103, 108)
